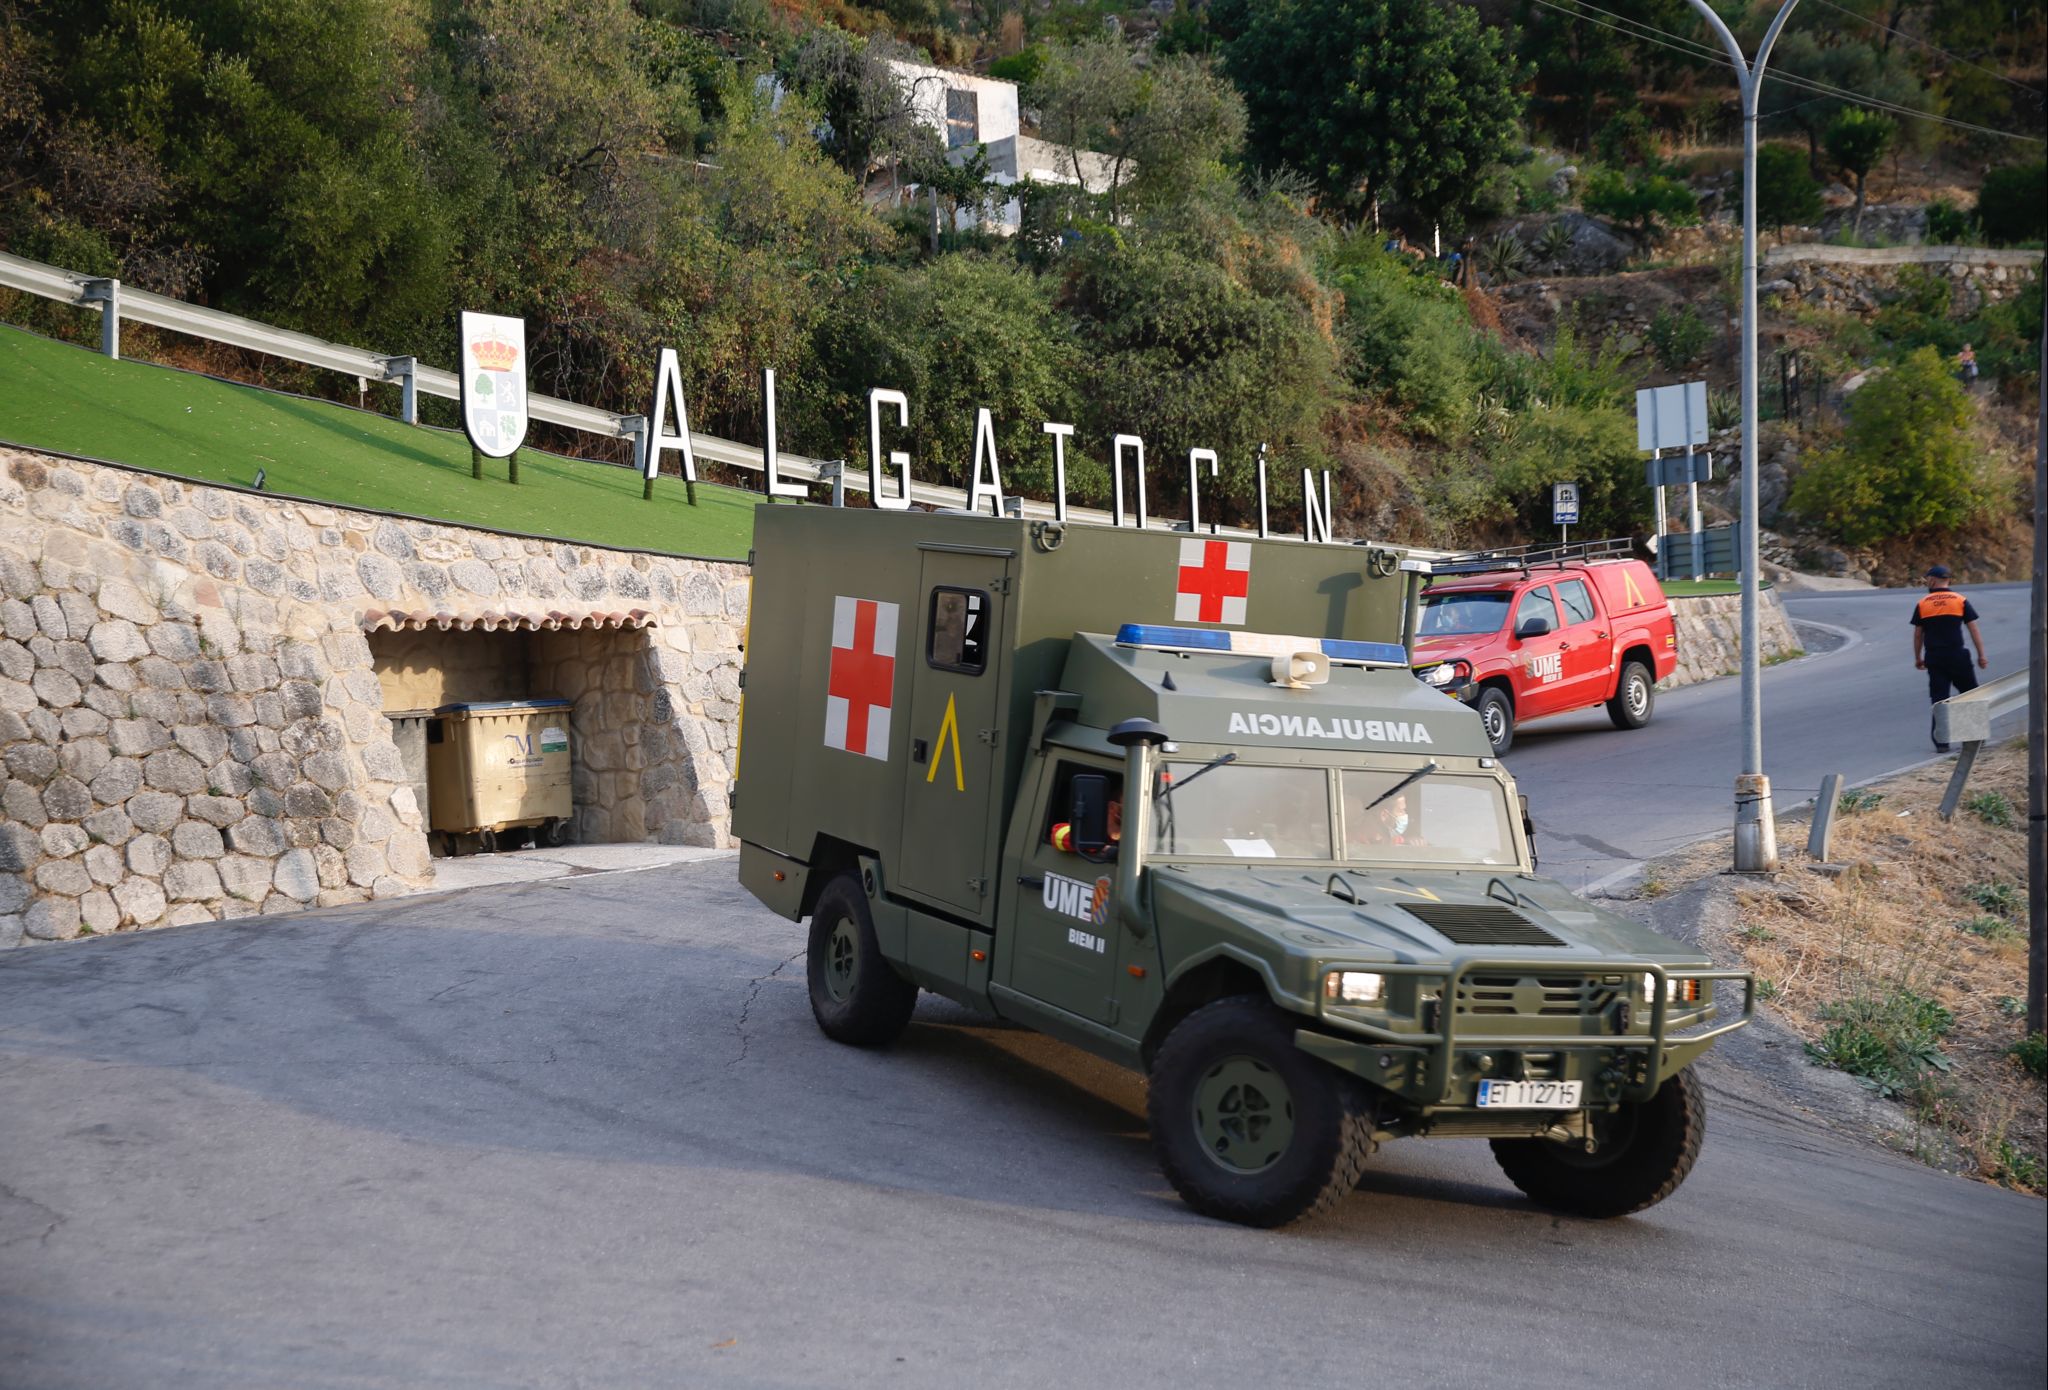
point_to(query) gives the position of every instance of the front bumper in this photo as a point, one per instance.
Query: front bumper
(1618, 1057)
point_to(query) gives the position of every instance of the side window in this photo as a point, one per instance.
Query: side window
(1061, 808)
(963, 118)
(1578, 604)
(1536, 604)
(959, 631)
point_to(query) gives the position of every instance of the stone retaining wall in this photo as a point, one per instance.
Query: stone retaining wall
(1862, 279)
(1710, 636)
(192, 727)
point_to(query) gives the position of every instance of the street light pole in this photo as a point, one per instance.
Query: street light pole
(1756, 832)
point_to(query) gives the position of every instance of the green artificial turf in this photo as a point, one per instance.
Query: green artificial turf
(72, 400)
(1702, 588)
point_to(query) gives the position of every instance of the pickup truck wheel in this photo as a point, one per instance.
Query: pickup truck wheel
(856, 996)
(1634, 697)
(1247, 1126)
(1497, 713)
(1645, 1150)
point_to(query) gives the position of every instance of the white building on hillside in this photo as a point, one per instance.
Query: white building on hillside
(965, 110)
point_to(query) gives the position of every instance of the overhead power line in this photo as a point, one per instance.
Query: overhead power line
(1663, 38)
(1929, 46)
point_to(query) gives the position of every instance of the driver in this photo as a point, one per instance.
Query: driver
(1391, 824)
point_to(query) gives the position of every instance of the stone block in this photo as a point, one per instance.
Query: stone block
(194, 839)
(61, 839)
(301, 661)
(17, 696)
(339, 897)
(376, 826)
(257, 835)
(66, 877)
(474, 577)
(192, 882)
(32, 763)
(333, 868)
(245, 877)
(106, 865)
(164, 706)
(120, 779)
(18, 620)
(159, 673)
(17, 663)
(148, 856)
(141, 901)
(19, 801)
(174, 770)
(136, 738)
(408, 856)
(218, 811)
(381, 761)
(83, 723)
(270, 709)
(51, 919)
(231, 711)
(117, 639)
(188, 914)
(333, 771)
(67, 798)
(306, 799)
(302, 700)
(155, 812)
(302, 834)
(122, 599)
(14, 892)
(405, 804)
(110, 826)
(276, 770)
(75, 659)
(366, 864)
(98, 912)
(250, 672)
(50, 617)
(297, 875)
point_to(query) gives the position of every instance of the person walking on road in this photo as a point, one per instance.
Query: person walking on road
(1939, 621)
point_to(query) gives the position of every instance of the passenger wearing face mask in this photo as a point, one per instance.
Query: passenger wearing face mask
(1389, 824)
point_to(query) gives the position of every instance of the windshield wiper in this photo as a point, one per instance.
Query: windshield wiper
(1164, 792)
(1401, 786)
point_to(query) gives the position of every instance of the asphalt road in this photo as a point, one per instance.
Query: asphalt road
(1605, 799)
(584, 1133)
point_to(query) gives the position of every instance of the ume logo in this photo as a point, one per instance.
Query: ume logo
(1070, 897)
(1547, 668)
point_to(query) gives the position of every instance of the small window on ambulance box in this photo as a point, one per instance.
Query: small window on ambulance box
(1578, 604)
(958, 629)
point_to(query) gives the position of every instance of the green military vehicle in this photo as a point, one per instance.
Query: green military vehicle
(1179, 801)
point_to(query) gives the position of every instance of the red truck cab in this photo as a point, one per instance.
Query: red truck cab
(1521, 636)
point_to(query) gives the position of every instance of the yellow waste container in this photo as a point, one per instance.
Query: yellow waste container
(493, 765)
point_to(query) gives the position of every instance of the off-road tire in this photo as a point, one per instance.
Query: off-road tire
(1327, 1115)
(1497, 713)
(1653, 1145)
(1635, 696)
(856, 996)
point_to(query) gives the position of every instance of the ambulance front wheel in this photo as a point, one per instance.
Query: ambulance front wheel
(856, 996)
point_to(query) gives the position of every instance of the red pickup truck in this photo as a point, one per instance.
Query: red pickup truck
(1547, 636)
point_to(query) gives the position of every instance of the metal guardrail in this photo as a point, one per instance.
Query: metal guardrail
(1967, 719)
(117, 302)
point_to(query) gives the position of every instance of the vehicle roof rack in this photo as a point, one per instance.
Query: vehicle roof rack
(1529, 557)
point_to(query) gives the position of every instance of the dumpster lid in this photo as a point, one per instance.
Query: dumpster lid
(487, 706)
(408, 714)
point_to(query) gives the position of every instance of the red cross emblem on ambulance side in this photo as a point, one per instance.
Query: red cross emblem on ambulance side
(1215, 580)
(860, 685)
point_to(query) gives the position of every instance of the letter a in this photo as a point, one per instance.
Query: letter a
(985, 442)
(668, 385)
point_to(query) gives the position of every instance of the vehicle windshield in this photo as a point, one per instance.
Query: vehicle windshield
(1239, 811)
(1465, 614)
(1440, 819)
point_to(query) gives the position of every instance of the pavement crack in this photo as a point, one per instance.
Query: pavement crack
(42, 1222)
(747, 1005)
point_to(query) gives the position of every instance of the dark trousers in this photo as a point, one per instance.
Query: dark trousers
(1950, 668)
(1945, 669)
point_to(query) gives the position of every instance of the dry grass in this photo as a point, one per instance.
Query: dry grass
(1921, 942)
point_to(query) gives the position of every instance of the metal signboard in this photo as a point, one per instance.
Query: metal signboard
(1718, 548)
(1564, 504)
(1671, 417)
(494, 383)
(1678, 469)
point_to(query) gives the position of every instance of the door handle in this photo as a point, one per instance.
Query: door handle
(1564, 646)
(1601, 635)
(917, 750)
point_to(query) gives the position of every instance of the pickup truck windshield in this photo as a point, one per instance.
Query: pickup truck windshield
(1236, 811)
(1459, 615)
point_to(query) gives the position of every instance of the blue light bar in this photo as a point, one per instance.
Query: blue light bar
(1209, 639)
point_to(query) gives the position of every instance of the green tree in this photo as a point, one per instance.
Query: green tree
(1856, 140)
(2013, 203)
(1839, 57)
(1785, 190)
(1644, 201)
(1403, 99)
(870, 113)
(1906, 462)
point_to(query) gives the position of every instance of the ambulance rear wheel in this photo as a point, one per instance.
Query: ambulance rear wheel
(1497, 713)
(1634, 697)
(1642, 1153)
(1247, 1126)
(856, 996)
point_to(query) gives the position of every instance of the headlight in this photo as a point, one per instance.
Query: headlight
(1677, 990)
(1354, 987)
(1443, 673)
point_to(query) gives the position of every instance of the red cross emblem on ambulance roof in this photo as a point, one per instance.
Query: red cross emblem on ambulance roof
(1215, 580)
(861, 684)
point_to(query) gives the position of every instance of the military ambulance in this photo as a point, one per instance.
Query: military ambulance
(1179, 800)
